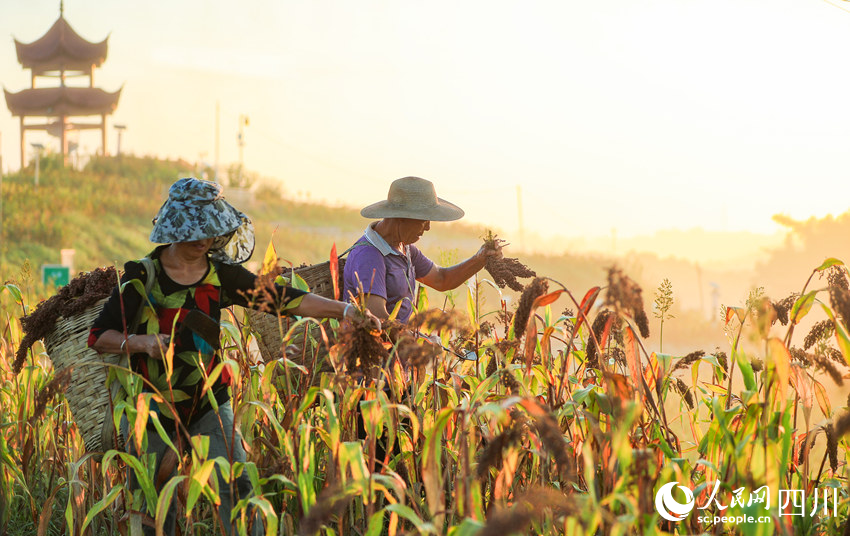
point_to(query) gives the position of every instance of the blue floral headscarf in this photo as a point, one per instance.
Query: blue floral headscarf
(195, 210)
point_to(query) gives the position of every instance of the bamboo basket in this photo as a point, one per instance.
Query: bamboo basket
(265, 325)
(88, 395)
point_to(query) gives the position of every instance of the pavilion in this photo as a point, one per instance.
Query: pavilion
(60, 54)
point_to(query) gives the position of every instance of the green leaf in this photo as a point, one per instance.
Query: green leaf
(802, 306)
(332, 426)
(231, 330)
(746, 370)
(395, 310)
(829, 263)
(142, 475)
(470, 306)
(481, 392)
(15, 292)
(164, 501)
(268, 512)
(254, 475)
(139, 285)
(580, 395)
(823, 399)
(200, 447)
(604, 403)
(431, 466)
(154, 418)
(216, 372)
(414, 421)
(351, 457)
(288, 363)
(376, 524)
(200, 480)
(421, 299)
(295, 302)
(468, 527)
(407, 513)
(840, 333)
(300, 283)
(229, 472)
(707, 463)
(100, 505)
(779, 359)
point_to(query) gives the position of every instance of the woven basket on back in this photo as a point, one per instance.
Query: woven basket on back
(87, 394)
(265, 325)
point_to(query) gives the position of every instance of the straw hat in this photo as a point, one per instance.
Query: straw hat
(196, 210)
(415, 198)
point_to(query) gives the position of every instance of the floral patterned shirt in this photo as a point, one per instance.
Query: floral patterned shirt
(223, 285)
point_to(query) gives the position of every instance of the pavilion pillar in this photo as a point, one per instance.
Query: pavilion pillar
(63, 137)
(103, 133)
(23, 143)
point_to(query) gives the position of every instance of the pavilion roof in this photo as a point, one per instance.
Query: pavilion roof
(61, 48)
(63, 100)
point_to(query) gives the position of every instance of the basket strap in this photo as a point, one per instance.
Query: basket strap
(352, 246)
(150, 268)
(150, 272)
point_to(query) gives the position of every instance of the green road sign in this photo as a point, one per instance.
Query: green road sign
(55, 274)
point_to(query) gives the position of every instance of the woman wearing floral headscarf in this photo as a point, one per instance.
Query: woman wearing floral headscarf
(198, 268)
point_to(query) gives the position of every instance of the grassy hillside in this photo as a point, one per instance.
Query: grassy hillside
(104, 212)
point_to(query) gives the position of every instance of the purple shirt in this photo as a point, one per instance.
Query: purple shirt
(384, 271)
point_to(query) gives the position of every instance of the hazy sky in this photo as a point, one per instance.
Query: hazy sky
(627, 115)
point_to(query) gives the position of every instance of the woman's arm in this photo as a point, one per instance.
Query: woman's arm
(240, 288)
(113, 342)
(319, 307)
(239, 282)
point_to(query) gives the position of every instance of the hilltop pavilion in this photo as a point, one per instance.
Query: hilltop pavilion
(60, 54)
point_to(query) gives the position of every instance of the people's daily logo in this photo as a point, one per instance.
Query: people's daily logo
(740, 507)
(670, 508)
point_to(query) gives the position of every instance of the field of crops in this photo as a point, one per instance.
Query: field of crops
(564, 424)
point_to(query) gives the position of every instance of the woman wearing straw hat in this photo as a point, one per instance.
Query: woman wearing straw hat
(384, 260)
(197, 269)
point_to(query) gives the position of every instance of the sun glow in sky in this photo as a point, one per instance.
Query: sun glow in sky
(629, 115)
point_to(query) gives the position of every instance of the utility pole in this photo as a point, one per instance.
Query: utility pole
(243, 122)
(217, 129)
